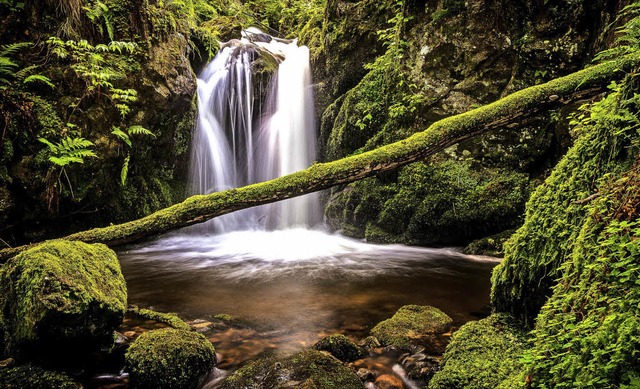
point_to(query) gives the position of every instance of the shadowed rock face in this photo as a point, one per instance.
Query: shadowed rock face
(458, 55)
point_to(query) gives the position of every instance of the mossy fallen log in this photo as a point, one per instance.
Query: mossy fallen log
(440, 135)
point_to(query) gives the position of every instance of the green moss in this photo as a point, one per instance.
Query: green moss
(169, 358)
(61, 295)
(340, 347)
(170, 319)
(411, 324)
(33, 377)
(588, 332)
(491, 245)
(522, 282)
(307, 369)
(482, 354)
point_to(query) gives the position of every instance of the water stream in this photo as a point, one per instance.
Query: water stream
(266, 265)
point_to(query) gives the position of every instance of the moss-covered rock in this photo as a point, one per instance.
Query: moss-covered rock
(33, 377)
(412, 324)
(305, 370)
(482, 355)
(169, 319)
(490, 245)
(169, 358)
(340, 347)
(61, 297)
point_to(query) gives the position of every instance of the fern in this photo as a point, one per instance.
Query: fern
(123, 136)
(139, 130)
(124, 171)
(69, 150)
(38, 78)
(628, 39)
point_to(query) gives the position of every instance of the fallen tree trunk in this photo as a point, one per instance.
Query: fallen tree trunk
(438, 136)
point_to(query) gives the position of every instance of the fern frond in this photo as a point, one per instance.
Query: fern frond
(51, 146)
(9, 50)
(121, 135)
(39, 79)
(139, 130)
(125, 171)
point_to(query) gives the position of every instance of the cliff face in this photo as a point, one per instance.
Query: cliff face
(438, 58)
(133, 100)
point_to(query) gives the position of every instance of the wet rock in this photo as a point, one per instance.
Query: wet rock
(420, 366)
(412, 325)
(61, 299)
(307, 369)
(387, 381)
(34, 377)
(169, 358)
(340, 347)
(366, 375)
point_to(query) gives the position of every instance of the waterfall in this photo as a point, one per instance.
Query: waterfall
(243, 138)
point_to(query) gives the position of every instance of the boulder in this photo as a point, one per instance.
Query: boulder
(340, 347)
(60, 297)
(33, 377)
(304, 370)
(411, 325)
(169, 358)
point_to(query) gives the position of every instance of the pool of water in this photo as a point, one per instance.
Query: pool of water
(299, 285)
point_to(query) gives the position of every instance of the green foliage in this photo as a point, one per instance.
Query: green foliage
(126, 138)
(628, 38)
(169, 358)
(555, 214)
(411, 324)
(9, 68)
(588, 333)
(69, 150)
(482, 355)
(97, 12)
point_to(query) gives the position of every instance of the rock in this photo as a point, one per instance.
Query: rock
(61, 297)
(411, 325)
(307, 369)
(340, 347)
(33, 377)
(169, 358)
(387, 381)
(366, 375)
(9, 362)
(482, 354)
(419, 366)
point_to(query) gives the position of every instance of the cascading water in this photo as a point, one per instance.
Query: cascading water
(241, 140)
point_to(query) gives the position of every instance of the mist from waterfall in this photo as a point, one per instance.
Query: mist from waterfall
(240, 139)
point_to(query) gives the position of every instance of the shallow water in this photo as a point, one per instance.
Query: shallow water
(299, 284)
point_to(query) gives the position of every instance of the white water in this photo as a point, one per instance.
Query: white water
(241, 140)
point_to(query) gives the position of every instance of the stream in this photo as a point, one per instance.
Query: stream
(296, 286)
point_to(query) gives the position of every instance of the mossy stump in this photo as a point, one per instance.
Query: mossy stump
(340, 347)
(169, 358)
(60, 298)
(309, 369)
(412, 325)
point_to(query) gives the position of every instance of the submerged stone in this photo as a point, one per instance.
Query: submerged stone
(412, 324)
(60, 298)
(340, 347)
(169, 358)
(306, 369)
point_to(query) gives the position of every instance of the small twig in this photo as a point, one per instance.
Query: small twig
(588, 199)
